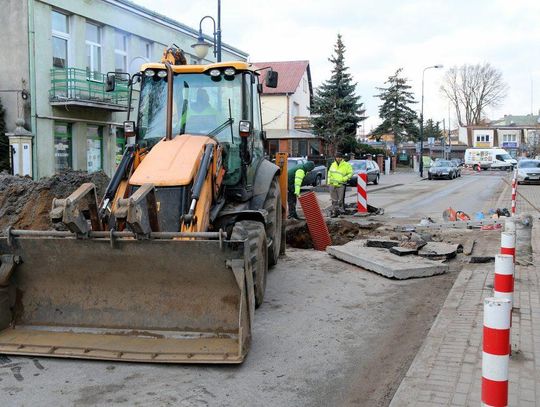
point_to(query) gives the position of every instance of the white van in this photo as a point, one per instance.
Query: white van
(486, 158)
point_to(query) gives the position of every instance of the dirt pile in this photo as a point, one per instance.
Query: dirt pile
(341, 231)
(25, 203)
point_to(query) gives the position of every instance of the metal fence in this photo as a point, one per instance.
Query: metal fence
(72, 84)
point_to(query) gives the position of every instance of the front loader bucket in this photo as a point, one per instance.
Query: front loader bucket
(158, 300)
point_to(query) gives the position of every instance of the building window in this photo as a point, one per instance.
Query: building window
(62, 147)
(93, 51)
(509, 138)
(60, 39)
(120, 51)
(148, 51)
(299, 148)
(94, 148)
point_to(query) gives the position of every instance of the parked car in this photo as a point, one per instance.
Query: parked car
(458, 161)
(314, 177)
(371, 167)
(528, 171)
(443, 169)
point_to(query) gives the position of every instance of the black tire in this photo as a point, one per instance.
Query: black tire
(274, 224)
(376, 180)
(258, 253)
(429, 177)
(318, 180)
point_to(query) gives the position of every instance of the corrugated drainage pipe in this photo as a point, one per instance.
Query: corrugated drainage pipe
(315, 221)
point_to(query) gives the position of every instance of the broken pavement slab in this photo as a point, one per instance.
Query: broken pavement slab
(403, 251)
(439, 250)
(381, 243)
(385, 263)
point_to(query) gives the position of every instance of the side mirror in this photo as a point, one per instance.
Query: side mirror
(271, 79)
(129, 128)
(110, 82)
(245, 128)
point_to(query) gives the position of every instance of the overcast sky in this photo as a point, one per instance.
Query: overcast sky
(382, 36)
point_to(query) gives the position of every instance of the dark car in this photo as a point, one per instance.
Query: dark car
(314, 177)
(528, 171)
(443, 169)
(459, 163)
(371, 167)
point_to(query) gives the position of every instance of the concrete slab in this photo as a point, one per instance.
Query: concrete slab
(385, 263)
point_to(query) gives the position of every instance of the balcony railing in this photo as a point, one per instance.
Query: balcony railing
(302, 123)
(79, 87)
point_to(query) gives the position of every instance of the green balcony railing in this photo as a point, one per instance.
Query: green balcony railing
(72, 85)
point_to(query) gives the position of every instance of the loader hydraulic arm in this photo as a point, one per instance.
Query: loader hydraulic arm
(206, 160)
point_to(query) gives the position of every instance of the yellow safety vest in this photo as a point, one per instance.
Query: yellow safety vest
(339, 174)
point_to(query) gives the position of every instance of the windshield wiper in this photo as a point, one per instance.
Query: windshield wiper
(226, 123)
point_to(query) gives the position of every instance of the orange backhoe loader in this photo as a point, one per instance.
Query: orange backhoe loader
(170, 264)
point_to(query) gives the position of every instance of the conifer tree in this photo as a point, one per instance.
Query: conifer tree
(396, 113)
(432, 129)
(337, 108)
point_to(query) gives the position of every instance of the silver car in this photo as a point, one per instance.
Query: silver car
(528, 171)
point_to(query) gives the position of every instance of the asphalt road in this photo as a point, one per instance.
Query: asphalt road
(328, 334)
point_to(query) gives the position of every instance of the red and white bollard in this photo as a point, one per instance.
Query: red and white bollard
(503, 286)
(508, 244)
(361, 196)
(496, 351)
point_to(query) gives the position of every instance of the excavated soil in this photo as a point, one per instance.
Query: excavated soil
(341, 232)
(25, 203)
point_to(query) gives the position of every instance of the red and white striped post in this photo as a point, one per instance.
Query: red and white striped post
(496, 351)
(508, 244)
(514, 192)
(361, 196)
(503, 286)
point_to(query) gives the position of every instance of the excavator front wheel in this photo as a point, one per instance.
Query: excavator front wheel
(258, 253)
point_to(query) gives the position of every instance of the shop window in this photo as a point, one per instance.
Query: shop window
(314, 147)
(120, 145)
(94, 148)
(62, 147)
(299, 148)
(273, 147)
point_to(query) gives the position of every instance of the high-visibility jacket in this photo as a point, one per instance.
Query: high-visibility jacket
(339, 174)
(295, 176)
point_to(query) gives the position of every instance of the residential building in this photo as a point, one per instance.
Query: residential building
(286, 110)
(55, 55)
(516, 134)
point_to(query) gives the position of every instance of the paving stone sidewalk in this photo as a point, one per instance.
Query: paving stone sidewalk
(448, 367)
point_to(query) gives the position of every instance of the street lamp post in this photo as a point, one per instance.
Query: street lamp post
(201, 46)
(422, 120)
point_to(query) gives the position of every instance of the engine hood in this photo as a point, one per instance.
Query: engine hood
(171, 162)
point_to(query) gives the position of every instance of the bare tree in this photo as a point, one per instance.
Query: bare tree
(473, 88)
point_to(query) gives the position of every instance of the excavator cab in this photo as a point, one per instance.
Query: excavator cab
(170, 264)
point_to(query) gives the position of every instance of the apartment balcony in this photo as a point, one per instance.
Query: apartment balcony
(79, 87)
(302, 123)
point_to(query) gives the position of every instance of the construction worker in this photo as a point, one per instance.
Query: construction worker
(339, 173)
(295, 176)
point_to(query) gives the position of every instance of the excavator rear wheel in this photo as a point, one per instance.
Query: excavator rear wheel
(258, 253)
(274, 224)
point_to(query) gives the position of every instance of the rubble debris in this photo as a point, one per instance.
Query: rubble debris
(439, 251)
(381, 243)
(451, 215)
(25, 203)
(385, 263)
